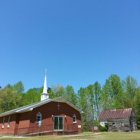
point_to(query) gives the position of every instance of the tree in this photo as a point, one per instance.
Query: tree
(97, 94)
(9, 98)
(51, 93)
(19, 87)
(32, 95)
(137, 106)
(86, 105)
(70, 95)
(90, 98)
(130, 87)
(58, 90)
(112, 93)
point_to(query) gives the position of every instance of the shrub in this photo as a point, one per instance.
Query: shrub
(102, 129)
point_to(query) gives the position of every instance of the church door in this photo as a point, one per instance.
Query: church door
(58, 123)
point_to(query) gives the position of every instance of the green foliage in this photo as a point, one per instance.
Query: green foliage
(11, 97)
(19, 87)
(32, 95)
(96, 122)
(130, 88)
(70, 95)
(58, 90)
(86, 105)
(137, 106)
(97, 94)
(115, 93)
(112, 93)
(51, 94)
(102, 129)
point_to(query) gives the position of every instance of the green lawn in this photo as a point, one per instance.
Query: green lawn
(85, 136)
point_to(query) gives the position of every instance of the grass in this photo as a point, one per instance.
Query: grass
(85, 136)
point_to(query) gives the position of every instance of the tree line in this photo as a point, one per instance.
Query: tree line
(114, 94)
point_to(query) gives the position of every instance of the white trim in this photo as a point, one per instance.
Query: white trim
(28, 109)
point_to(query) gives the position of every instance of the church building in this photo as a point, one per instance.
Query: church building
(49, 116)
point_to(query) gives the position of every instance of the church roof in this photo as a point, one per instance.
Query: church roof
(115, 114)
(30, 107)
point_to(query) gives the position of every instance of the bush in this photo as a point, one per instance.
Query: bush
(102, 129)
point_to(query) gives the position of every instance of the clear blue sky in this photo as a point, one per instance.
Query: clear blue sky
(77, 41)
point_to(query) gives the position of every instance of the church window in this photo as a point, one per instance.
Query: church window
(74, 118)
(8, 124)
(3, 122)
(38, 117)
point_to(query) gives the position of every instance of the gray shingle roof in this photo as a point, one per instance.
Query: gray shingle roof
(30, 107)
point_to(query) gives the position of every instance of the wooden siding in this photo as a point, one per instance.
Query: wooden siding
(116, 123)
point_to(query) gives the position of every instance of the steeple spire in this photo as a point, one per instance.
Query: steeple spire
(45, 83)
(45, 95)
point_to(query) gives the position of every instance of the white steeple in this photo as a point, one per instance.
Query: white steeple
(45, 84)
(45, 95)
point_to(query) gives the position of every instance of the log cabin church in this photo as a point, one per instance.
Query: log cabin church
(119, 119)
(49, 116)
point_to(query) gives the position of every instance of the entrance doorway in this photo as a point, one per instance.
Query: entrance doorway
(58, 123)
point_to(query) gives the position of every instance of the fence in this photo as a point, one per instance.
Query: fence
(45, 130)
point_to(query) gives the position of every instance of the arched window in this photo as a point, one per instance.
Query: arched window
(3, 122)
(38, 117)
(74, 118)
(8, 124)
